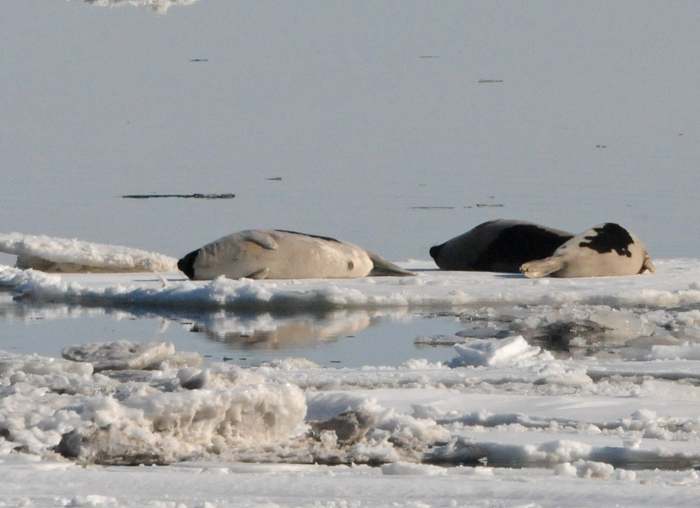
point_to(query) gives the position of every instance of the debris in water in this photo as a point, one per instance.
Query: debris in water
(194, 196)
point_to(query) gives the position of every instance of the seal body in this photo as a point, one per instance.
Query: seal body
(604, 250)
(278, 254)
(499, 245)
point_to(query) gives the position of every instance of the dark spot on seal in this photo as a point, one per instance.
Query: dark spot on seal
(306, 234)
(609, 237)
(186, 264)
(517, 245)
(351, 265)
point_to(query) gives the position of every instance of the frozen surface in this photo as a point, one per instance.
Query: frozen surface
(260, 435)
(510, 408)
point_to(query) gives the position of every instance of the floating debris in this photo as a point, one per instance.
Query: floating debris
(193, 196)
(429, 56)
(492, 205)
(199, 60)
(490, 81)
(432, 207)
(274, 178)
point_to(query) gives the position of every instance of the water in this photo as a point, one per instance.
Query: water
(331, 120)
(340, 339)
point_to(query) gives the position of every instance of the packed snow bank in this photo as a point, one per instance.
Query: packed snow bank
(50, 254)
(138, 417)
(523, 410)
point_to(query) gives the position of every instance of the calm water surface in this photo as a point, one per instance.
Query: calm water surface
(342, 339)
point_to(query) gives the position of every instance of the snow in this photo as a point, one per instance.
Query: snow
(160, 6)
(504, 423)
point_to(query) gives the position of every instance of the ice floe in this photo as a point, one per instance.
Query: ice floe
(51, 254)
(152, 5)
(516, 407)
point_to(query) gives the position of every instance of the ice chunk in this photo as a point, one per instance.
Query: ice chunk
(160, 6)
(408, 468)
(51, 254)
(167, 427)
(494, 352)
(685, 351)
(121, 355)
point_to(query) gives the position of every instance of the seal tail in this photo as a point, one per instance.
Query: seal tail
(541, 267)
(384, 268)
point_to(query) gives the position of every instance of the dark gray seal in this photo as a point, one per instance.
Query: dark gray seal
(604, 250)
(278, 254)
(499, 245)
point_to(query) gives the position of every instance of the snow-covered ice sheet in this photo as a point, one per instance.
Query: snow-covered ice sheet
(258, 436)
(617, 425)
(677, 283)
(525, 409)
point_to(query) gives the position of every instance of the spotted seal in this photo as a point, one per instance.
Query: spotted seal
(280, 254)
(500, 245)
(605, 249)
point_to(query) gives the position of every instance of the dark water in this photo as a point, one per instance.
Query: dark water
(346, 338)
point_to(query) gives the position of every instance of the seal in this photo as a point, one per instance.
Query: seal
(604, 250)
(280, 254)
(500, 245)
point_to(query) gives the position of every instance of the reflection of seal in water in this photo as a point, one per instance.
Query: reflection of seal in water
(277, 254)
(498, 246)
(606, 249)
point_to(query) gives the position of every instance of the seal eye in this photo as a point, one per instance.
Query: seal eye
(351, 265)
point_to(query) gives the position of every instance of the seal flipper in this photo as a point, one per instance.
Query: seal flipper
(542, 267)
(259, 275)
(384, 268)
(260, 238)
(647, 265)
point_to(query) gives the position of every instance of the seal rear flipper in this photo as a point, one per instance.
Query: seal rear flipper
(541, 267)
(259, 275)
(647, 265)
(260, 238)
(384, 268)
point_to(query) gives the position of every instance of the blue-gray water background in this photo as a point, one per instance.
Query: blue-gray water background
(391, 124)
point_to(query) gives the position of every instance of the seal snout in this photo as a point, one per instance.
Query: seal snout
(435, 251)
(186, 264)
